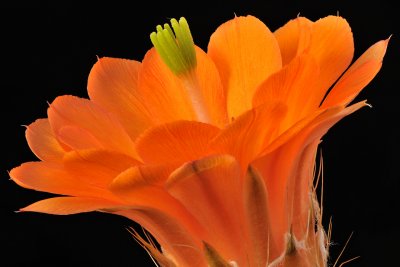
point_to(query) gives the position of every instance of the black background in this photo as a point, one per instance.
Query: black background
(48, 50)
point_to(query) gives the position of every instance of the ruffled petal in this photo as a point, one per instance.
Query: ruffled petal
(92, 119)
(142, 186)
(169, 97)
(280, 169)
(262, 246)
(160, 213)
(301, 187)
(245, 53)
(179, 245)
(113, 84)
(71, 205)
(357, 76)
(332, 46)
(246, 137)
(179, 141)
(138, 186)
(52, 178)
(97, 167)
(209, 82)
(163, 92)
(291, 86)
(77, 138)
(42, 141)
(293, 38)
(210, 189)
(285, 136)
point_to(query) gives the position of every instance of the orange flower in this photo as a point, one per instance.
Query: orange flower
(213, 153)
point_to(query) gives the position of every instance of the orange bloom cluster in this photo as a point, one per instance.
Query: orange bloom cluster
(218, 163)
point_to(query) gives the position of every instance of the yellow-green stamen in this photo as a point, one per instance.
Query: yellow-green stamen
(175, 47)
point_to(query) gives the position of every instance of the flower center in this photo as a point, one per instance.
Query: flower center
(177, 50)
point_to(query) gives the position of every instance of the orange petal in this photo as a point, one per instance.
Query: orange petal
(77, 138)
(179, 141)
(303, 175)
(157, 211)
(102, 125)
(250, 133)
(290, 85)
(137, 189)
(169, 97)
(175, 239)
(129, 184)
(52, 178)
(293, 38)
(280, 167)
(318, 115)
(71, 205)
(357, 76)
(262, 247)
(302, 187)
(97, 167)
(163, 92)
(332, 46)
(113, 84)
(245, 53)
(210, 84)
(141, 186)
(210, 189)
(42, 142)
